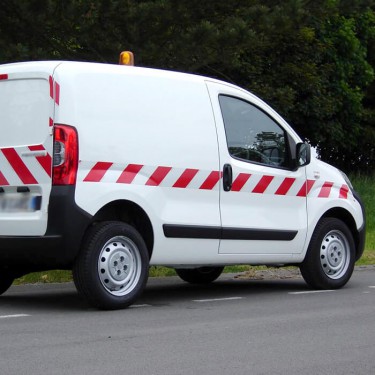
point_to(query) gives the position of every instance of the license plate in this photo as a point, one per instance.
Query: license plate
(19, 203)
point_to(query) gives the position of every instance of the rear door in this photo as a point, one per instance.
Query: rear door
(262, 200)
(26, 118)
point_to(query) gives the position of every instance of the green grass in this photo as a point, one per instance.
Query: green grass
(55, 276)
(365, 186)
(61, 276)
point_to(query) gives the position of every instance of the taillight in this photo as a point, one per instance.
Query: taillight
(65, 155)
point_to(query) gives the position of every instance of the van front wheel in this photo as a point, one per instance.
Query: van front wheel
(112, 268)
(330, 258)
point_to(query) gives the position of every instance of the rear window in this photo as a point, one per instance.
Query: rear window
(24, 112)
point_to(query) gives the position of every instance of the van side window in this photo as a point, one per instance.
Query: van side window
(251, 134)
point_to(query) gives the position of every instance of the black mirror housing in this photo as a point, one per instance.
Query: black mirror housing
(303, 154)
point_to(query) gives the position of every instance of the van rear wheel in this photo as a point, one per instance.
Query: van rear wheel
(330, 258)
(112, 268)
(202, 275)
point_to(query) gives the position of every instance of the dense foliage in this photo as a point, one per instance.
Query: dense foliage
(312, 60)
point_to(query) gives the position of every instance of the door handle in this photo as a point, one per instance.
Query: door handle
(227, 177)
(35, 153)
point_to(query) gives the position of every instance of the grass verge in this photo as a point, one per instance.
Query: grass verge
(365, 186)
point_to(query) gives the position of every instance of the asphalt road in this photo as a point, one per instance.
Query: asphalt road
(233, 326)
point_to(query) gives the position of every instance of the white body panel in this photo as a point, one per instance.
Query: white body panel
(132, 116)
(320, 200)
(26, 116)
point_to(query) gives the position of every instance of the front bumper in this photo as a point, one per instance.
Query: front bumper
(362, 231)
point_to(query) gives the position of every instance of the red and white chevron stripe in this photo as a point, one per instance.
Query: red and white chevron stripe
(16, 169)
(189, 178)
(54, 90)
(54, 93)
(153, 176)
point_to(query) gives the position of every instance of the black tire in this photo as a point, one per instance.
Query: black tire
(111, 270)
(330, 257)
(6, 282)
(202, 275)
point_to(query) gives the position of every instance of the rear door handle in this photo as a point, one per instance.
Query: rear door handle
(35, 153)
(227, 177)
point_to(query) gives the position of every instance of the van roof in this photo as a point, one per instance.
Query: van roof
(90, 67)
(30, 66)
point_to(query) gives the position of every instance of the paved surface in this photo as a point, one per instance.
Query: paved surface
(237, 325)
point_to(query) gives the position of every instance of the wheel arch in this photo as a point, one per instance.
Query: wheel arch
(345, 216)
(130, 213)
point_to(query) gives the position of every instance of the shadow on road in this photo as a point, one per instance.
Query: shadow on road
(51, 297)
(159, 292)
(179, 291)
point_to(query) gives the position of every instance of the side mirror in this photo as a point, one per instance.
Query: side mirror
(303, 154)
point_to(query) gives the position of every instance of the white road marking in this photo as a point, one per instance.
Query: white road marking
(137, 306)
(14, 316)
(372, 286)
(217, 299)
(312, 292)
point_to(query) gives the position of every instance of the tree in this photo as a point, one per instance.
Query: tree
(311, 60)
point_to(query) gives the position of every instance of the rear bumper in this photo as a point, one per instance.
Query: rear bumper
(60, 245)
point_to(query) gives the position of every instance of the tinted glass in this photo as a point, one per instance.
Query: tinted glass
(251, 134)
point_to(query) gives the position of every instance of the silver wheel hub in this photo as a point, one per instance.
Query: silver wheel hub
(334, 254)
(119, 265)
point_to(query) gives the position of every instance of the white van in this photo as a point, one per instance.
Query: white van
(109, 169)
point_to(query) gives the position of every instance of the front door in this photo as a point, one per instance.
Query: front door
(262, 199)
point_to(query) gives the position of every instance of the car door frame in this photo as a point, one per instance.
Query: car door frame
(265, 191)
